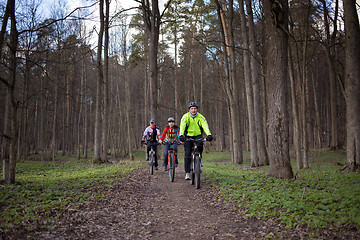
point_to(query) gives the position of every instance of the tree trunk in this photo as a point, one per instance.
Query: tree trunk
(128, 99)
(151, 18)
(97, 135)
(261, 147)
(105, 118)
(305, 97)
(295, 115)
(12, 134)
(80, 109)
(231, 86)
(248, 87)
(276, 77)
(176, 91)
(352, 71)
(330, 54)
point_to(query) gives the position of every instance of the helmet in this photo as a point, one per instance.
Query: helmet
(193, 104)
(171, 119)
(152, 121)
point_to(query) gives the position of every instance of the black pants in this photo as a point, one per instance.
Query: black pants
(189, 146)
(152, 145)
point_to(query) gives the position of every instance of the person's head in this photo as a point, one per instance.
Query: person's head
(171, 122)
(152, 122)
(193, 108)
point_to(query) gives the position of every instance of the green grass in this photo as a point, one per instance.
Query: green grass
(45, 188)
(320, 197)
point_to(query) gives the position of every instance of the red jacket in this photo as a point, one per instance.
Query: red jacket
(171, 134)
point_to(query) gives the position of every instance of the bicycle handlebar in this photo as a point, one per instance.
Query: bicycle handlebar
(196, 140)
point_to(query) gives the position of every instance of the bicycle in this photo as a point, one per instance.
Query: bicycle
(195, 165)
(171, 162)
(151, 158)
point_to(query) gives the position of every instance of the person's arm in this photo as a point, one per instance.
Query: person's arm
(144, 134)
(183, 125)
(163, 135)
(205, 126)
(158, 132)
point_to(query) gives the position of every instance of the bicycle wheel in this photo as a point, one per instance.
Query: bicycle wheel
(192, 172)
(197, 172)
(151, 163)
(172, 167)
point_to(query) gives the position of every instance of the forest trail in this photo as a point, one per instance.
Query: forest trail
(151, 207)
(142, 206)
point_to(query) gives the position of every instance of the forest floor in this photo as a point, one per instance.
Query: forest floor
(151, 207)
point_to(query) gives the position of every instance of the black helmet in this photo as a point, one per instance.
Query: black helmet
(171, 119)
(193, 104)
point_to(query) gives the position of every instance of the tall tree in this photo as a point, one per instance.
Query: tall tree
(249, 88)
(261, 147)
(352, 31)
(276, 15)
(98, 107)
(11, 130)
(231, 83)
(105, 110)
(330, 49)
(152, 20)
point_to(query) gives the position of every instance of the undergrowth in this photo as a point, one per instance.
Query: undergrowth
(46, 188)
(319, 197)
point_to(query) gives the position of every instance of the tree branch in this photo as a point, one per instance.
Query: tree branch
(56, 20)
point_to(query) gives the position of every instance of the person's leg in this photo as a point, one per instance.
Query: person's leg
(155, 150)
(166, 149)
(148, 148)
(175, 146)
(188, 148)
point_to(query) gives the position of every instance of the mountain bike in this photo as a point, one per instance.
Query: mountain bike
(151, 159)
(195, 165)
(171, 162)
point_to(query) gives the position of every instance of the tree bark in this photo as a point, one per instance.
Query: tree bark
(330, 54)
(261, 147)
(276, 77)
(231, 86)
(97, 135)
(295, 114)
(152, 19)
(248, 87)
(12, 134)
(105, 117)
(352, 71)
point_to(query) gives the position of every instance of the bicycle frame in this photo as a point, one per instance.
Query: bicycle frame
(151, 158)
(195, 164)
(171, 162)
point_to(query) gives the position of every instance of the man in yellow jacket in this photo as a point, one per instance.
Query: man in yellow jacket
(191, 126)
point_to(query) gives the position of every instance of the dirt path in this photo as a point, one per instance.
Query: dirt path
(151, 207)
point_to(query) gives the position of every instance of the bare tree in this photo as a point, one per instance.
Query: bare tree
(276, 13)
(231, 82)
(97, 136)
(248, 87)
(329, 45)
(261, 147)
(11, 130)
(352, 31)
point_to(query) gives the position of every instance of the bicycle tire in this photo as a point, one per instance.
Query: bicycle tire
(172, 168)
(192, 173)
(151, 163)
(197, 172)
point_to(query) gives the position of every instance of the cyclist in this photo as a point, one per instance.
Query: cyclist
(170, 135)
(192, 125)
(151, 136)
